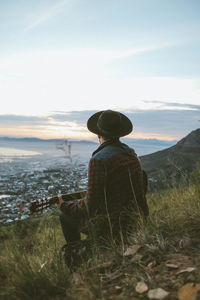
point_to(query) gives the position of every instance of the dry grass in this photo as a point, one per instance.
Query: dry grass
(31, 267)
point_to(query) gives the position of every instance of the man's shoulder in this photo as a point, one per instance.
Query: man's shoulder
(113, 150)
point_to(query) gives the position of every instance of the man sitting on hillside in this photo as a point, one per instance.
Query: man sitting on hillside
(115, 181)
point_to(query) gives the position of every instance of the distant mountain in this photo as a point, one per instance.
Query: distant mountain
(129, 141)
(156, 142)
(33, 139)
(169, 165)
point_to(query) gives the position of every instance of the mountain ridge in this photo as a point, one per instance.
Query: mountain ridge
(34, 139)
(125, 140)
(174, 162)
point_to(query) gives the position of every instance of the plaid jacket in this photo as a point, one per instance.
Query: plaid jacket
(115, 181)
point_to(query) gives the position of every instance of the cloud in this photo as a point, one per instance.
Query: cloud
(166, 105)
(77, 116)
(173, 124)
(140, 50)
(42, 126)
(51, 12)
(79, 80)
(154, 123)
(21, 119)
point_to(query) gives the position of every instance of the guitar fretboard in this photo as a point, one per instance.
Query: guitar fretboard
(40, 205)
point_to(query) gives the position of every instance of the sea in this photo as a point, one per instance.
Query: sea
(12, 150)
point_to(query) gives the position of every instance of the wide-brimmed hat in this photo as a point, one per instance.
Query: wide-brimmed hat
(109, 123)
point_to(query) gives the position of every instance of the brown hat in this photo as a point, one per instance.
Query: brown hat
(109, 123)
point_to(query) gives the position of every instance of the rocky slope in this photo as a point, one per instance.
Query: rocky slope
(169, 165)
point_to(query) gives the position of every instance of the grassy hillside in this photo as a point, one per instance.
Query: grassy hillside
(169, 166)
(162, 253)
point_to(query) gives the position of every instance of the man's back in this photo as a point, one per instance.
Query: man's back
(115, 176)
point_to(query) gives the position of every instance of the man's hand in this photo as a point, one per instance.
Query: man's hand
(60, 201)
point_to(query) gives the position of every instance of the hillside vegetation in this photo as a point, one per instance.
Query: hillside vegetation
(162, 254)
(171, 165)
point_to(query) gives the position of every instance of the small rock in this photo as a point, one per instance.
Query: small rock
(137, 257)
(132, 250)
(172, 266)
(189, 269)
(188, 291)
(158, 293)
(118, 288)
(151, 264)
(76, 278)
(141, 287)
(42, 266)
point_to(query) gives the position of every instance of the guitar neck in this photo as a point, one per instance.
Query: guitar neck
(40, 205)
(68, 197)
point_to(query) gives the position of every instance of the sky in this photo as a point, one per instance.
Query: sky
(61, 61)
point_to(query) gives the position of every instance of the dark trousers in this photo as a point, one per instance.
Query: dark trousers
(70, 228)
(72, 225)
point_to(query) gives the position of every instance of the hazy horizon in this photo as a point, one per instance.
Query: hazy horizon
(94, 140)
(79, 149)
